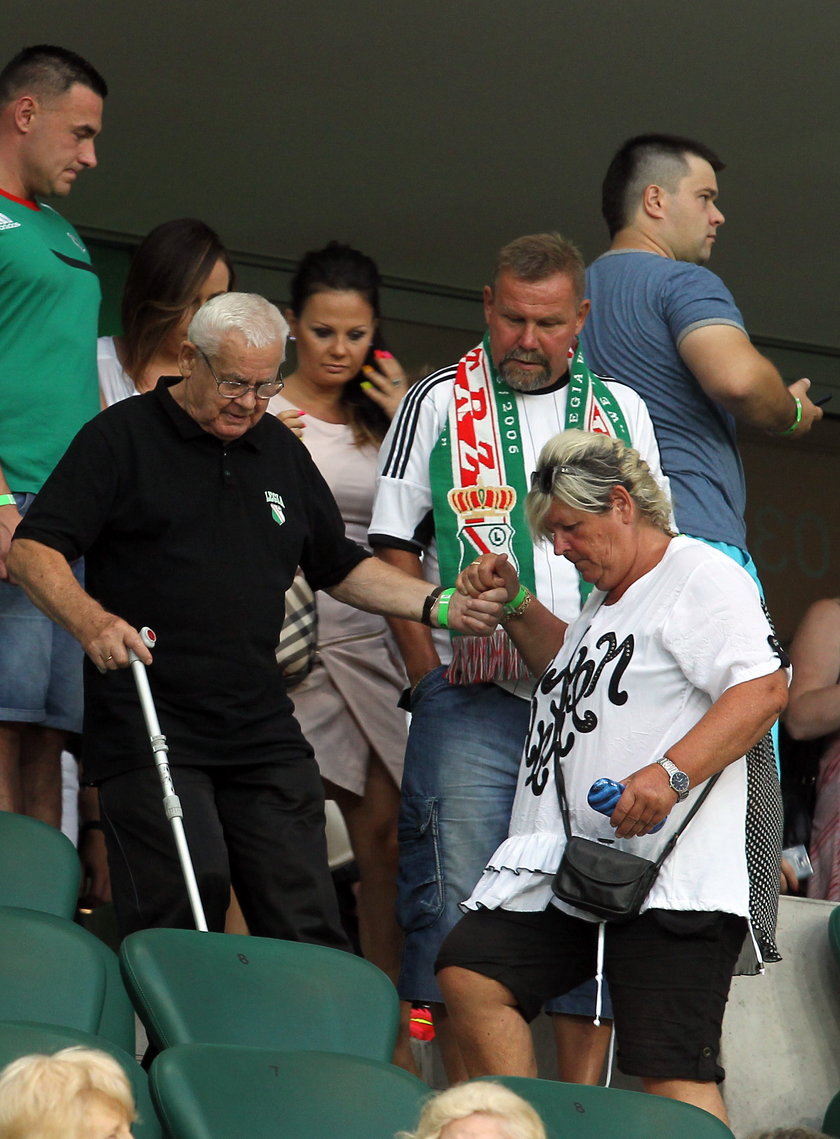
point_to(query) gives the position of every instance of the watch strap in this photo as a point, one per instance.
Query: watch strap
(671, 770)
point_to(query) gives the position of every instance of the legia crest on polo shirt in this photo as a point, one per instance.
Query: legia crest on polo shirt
(277, 506)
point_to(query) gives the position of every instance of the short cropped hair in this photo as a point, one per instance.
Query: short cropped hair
(48, 72)
(643, 161)
(48, 1096)
(583, 468)
(257, 320)
(519, 1120)
(540, 255)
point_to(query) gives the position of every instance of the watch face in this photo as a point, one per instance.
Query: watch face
(679, 781)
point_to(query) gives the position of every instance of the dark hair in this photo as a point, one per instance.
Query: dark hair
(164, 277)
(48, 71)
(340, 268)
(639, 162)
(540, 255)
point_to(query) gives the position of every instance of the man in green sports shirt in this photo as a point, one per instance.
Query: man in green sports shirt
(50, 113)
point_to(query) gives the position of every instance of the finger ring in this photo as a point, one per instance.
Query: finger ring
(397, 383)
(106, 659)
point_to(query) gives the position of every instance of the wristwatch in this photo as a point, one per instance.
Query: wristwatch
(678, 780)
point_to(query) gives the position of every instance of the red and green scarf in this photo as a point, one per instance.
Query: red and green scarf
(479, 484)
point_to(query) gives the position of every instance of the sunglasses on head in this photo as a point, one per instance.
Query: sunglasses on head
(543, 478)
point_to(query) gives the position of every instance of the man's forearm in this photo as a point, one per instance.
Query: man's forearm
(379, 588)
(415, 641)
(46, 577)
(750, 387)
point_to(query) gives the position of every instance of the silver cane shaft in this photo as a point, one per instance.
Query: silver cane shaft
(171, 802)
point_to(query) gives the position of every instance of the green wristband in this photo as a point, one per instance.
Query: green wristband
(7, 500)
(511, 606)
(797, 420)
(443, 608)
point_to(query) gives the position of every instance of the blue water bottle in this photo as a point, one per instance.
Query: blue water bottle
(604, 795)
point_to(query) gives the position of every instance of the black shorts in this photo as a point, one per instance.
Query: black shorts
(669, 973)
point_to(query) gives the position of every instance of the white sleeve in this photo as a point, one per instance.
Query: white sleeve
(403, 504)
(717, 630)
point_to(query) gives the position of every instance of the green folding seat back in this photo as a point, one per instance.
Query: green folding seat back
(22, 1038)
(203, 988)
(54, 971)
(50, 970)
(116, 1021)
(39, 866)
(612, 1113)
(831, 1122)
(212, 1091)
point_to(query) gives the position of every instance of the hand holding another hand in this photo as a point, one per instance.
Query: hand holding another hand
(477, 615)
(488, 572)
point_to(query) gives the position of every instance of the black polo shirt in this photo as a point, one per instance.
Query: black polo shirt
(199, 540)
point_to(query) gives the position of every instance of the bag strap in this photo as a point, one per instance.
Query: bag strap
(672, 842)
(560, 783)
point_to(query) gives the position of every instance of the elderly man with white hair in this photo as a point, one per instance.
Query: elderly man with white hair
(194, 509)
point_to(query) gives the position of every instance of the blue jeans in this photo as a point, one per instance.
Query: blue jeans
(40, 664)
(461, 766)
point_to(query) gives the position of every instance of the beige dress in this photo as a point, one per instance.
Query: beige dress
(347, 706)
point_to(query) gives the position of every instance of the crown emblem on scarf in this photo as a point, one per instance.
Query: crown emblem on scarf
(479, 501)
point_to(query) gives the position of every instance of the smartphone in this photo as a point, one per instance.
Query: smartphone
(376, 345)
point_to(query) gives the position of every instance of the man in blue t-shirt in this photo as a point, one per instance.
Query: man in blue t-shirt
(666, 326)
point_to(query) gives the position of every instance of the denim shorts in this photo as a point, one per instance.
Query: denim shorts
(40, 664)
(461, 764)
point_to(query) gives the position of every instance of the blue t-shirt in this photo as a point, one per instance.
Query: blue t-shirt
(642, 307)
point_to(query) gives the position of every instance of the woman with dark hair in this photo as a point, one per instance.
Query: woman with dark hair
(177, 267)
(346, 391)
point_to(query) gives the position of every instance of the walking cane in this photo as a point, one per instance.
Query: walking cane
(171, 802)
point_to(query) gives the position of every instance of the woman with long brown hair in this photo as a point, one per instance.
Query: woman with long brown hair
(177, 267)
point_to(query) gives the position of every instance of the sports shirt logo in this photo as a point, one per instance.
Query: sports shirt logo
(275, 502)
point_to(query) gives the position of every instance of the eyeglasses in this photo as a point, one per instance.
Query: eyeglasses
(543, 479)
(231, 389)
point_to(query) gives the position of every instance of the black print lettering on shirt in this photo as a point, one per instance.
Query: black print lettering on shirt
(569, 716)
(776, 645)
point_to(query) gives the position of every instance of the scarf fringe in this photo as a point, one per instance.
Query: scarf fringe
(478, 660)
